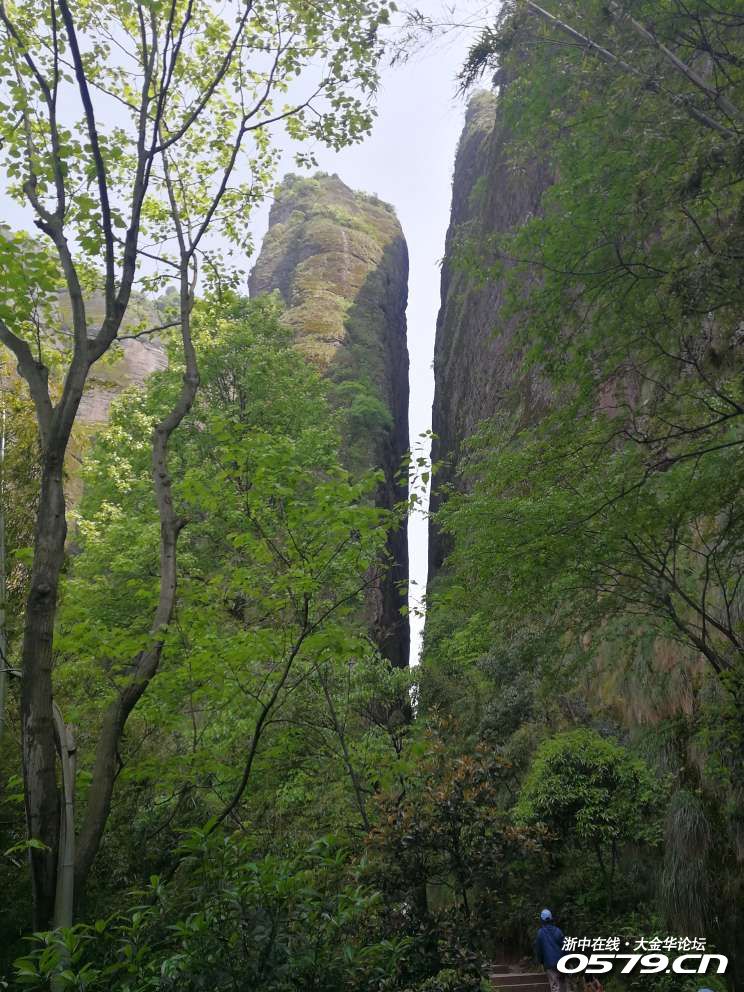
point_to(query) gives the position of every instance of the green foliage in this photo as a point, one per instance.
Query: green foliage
(596, 799)
(211, 79)
(278, 548)
(450, 980)
(623, 249)
(685, 882)
(626, 292)
(453, 866)
(583, 784)
(269, 685)
(590, 546)
(596, 537)
(271, 709)
(367, 421)
(366, 412)
(230, 920)
(29, 281)
(19, 477)
(199, 93)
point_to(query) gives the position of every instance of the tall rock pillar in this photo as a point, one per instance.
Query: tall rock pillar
(339, 260)
(477, 368)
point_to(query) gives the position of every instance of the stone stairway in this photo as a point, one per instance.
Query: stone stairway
(504, 979)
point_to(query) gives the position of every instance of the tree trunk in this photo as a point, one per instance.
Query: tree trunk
(146, 664)
(37, 717)
(115, 717)
(3, 587)
(65, 895)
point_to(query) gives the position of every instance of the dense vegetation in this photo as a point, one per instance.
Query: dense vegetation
(597, 550)
(210, 777)
(259, 712)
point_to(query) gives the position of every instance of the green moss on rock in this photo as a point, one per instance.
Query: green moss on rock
(324, 241)
(339, 261)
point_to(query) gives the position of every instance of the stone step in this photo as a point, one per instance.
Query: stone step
(518, 977)
(532, 981)
(523, 987)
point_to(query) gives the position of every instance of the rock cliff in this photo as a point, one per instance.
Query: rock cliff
(479, 375)
(476, 365)
(338, 259)
(131, 362)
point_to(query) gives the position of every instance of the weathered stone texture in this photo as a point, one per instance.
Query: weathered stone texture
(129, 363)
(476, 364)
(136, 361)
(338, 259)
(479, 375)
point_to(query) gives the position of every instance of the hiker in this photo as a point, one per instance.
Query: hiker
(549, 951)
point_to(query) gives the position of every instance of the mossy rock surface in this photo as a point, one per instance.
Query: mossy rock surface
(324, 241)
(339, 261)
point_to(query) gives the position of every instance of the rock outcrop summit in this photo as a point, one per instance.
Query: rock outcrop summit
(339, 261)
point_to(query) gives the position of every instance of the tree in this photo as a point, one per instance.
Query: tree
(590, 788)
(626, 292)
(280, 547)
(599, 544)
(672, 36)
(3, 580)
(447, 854)
(230, 921)
(19, 478)
(177, 103)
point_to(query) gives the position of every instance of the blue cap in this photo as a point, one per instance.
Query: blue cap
(546, 915)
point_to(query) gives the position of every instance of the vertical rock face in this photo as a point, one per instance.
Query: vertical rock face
(137, 362)
(479, 371)
(339, 260)
(476, 366)
(131, 363)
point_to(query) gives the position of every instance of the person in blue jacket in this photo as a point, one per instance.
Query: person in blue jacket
(549, 951)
